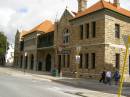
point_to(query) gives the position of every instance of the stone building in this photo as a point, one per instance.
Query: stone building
(96, 30)
(36, 48)
(17, 49)
(63, 38)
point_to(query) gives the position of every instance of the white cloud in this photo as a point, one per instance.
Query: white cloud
(25, 14)
(5, 16)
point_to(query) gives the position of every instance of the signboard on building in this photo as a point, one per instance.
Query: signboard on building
(64, 52)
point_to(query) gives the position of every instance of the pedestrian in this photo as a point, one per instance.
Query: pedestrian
(103, 77)
(108, 77)
(116, 77)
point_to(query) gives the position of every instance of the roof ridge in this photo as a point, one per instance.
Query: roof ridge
(102, 1)
(45, 26)
(40, 25)
(102, 4)
(43, 23)
(86, 10)
(70, 11)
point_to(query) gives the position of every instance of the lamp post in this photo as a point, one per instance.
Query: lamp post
(60, 50)
(25, 61)
(78, 49)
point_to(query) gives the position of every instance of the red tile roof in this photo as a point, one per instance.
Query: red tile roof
(45, 27)
(102, 5)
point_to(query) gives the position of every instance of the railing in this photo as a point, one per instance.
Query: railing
(45, 44)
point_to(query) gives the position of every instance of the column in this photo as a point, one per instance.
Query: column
(19, 61)
(56, 59)
(29, 62)
(52, 61)
(35, 62)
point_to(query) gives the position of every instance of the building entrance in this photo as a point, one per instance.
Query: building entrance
(59, 63)
(32, 62)
(26, 62)
(48, 63)
(40, 66)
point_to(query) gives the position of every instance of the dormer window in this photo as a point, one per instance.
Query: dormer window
(66, 36)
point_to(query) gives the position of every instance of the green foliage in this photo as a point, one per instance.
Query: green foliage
(3, 43)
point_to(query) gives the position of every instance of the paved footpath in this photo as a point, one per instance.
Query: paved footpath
(87, 88)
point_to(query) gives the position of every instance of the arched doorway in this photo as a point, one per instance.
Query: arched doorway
(26, 62)
(48, 62)
(40, 66)
(32, 62)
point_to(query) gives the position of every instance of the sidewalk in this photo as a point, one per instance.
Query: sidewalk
(92, 87)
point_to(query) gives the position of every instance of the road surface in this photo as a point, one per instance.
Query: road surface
(11, 86)
(18, 84)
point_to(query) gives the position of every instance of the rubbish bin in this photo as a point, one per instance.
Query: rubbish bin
(55, 72)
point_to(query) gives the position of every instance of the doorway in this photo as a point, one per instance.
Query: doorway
(40, 66)
(48, 63)
(59, 63)
(32, 62)
(26, 62)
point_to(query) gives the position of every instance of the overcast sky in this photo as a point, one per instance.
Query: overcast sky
(25, 14)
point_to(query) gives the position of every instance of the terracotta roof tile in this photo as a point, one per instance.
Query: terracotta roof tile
(45, 27)
(116, 9)
(102, 5)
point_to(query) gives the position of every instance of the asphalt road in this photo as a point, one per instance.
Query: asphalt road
(18, 84)
(11, 86)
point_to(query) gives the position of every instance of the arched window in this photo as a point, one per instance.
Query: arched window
(66, 36)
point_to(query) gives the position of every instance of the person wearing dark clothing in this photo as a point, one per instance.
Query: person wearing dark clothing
(103, 76)
(116, 77)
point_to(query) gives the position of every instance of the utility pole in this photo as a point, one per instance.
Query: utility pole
(126, 39)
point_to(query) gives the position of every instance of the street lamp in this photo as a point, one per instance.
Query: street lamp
(78, 49)
(60, 50)
(25, 61)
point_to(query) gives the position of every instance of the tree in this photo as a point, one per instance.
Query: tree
(3, 43)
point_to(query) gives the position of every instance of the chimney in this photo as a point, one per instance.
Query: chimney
(82, 5)
(117, 3)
